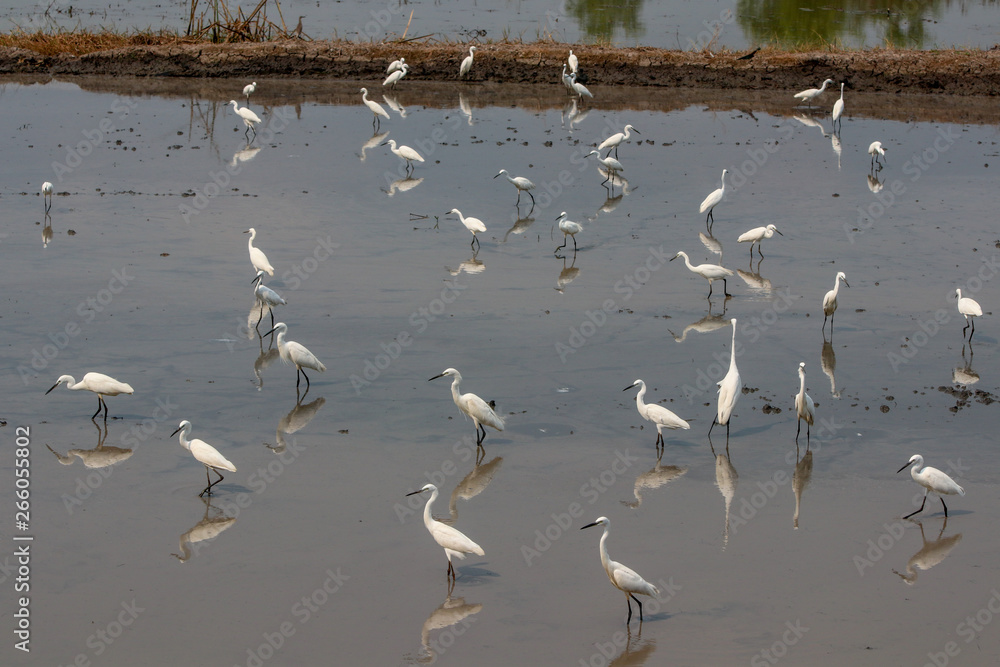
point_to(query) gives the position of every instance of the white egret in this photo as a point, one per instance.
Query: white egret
(47, 195)
(567, 80)
(653, 412)
(838, 107)
(756, 235)
(521, 183)
(297, 354)
(267, 297)
(395, 65)
(970, 308)
(206, 454)
(714, 198)
(249, 118)
(454, 542)
(615, 140)
(466, 63)
(876, 150)
(622, 577)
(472, 406)
(730, 388)
(100, 384)
(580, 89)
(248, 89)
(830, 300)
(812, 93)
(404, 153)
(573, 62)
(804, 406)
(474, 225)
(568, 228)
(376, 109)
(710, 272)
(396, 76)
(933, 481)
(257, 256)
(613, 166)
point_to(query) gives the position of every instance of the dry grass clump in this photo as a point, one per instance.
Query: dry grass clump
(79, 42)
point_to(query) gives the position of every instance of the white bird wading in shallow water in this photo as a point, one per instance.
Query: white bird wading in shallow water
(454, 542)
(248, 89)
(876, 150)
(267, 297)
(615, 140)
(375, 108)
(466, 63)
(578, 88)
(657, 414)
(622, 577)
(805, 409)
(395, 65)
(404, 153)
(521, 183)
(100, 384)
(474, 225)
(573, 62)
(472, 406)
(297, 354)
(713, 199)
(47, 195)
(206, 454)
(709, 272)
(756, 235)
(396, 76)
(612, 165)
(257, 256)
(812, 93)
(830, 300)
(933, 481)
(838, 108)
(730, 388)
(568, 228)
(249, 118)
(971, 309)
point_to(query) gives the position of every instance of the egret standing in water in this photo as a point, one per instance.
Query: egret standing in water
(659, 415)
(466, 63)
(206, 454)
(830, 300)
(248, 89)
(297, 354)
(876, 149)
(805, 409)
(613, 166)
(838, 108)
(267, 297)
(622, 577)
(709, 272)
(573, 62)
(100, 384)
(521, 183)
(257, 256)
(812, 93)
(395, 65)
(472, 406)
(396, 76)
(615, 140)
(714, 198)
(474, 225)
(376, 109)
(568, 228)
(756, 235)
(249, 118)
(971, 309)
(933, 481)
(453, 541)
(730, 388)
(47, 195)
(579, 89)
(404, 153)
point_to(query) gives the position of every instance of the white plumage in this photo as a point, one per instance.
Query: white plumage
(466, 63)
(578, 88)
(756, 235)
(876, 150)
(838, 106)
(568, 228)
(404, 153)
(830, 300)
(659, 415)
(257, 256)
(47, 195)
(205, 454)
(730, 388)
(812, 93)
(805, 409)
(933, 481)
(266, 297)
(521, 183)
(395, 65)
(248, 90)
(395, 76)
(573, 61)
(615, 140)
(623, 577)
(297, 354)
(249, 117)
(376, 108)
(99, 383)
(472, 406)
(474, 225)
(453, 541)
(710, 272)
(969, 308)
(713, 198)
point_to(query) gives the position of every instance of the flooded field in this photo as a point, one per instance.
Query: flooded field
(311, 549)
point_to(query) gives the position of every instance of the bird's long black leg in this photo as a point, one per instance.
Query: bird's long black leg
(798, 427)
(270, 310)
(307, 380)
(973, 333)
(944, 506)
(725, 288)
(629, 603)
(99, 402)
(714, 422)
(616, 152)
(727, 436)
(640, 606)
(532, 200)
(574, 243)
(921, 507)
(558, 248)
(709, 289)
(807, 435)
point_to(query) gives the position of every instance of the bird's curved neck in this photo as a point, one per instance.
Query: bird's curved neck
(802, 383)
(455, 394)
(732, 350)
(688, 262)
(428, 517)
(640, 395)
(185, 443)
(604, 547)
(836, 286)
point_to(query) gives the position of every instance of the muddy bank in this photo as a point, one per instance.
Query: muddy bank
(891, 71)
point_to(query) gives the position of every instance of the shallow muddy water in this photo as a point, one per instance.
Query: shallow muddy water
(141, 271)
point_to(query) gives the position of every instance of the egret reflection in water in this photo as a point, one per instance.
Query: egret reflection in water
(472, 265)
(375, 141)
(800, 479)
(726, 479)
(296, 420)
(828, 362)
(403, 185)
(263, 360)
(931, 553)
(472, 484)
(657, 476)
(964, 375)
(210, 526)
(98, 457)
(706, 324)
(568, 274)
(521, 224)
(450, 612)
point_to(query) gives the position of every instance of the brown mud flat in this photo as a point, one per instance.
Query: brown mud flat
(953, 72)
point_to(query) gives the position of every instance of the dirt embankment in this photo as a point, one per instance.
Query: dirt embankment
(880, 70)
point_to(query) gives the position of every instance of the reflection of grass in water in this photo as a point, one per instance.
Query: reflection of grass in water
(599, 19)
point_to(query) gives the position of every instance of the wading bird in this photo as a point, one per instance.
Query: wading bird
(47, 195)
(248, 89)
(521, 183)
(615, 140)
(804, 406)
(659, 415)
(709, 272)
(396, 76)
(297, 354)
(730, 388)
(812, 93)
(933, 481)
(568, 228)
(267, 297)
(612, 165)
(622, 577)
(573, 62)
(466, 63)
(756, 235)
(472, 406)
(249, 119)
(375, 108)
(100, 384)
(876, 150)
(474, 225)
(579, 89)
(206, 454)
(838, 109)
(395, 65)
(404, 153)
(257, 256)
(714, 198)
(970, 308)
(454, 542)
(830, 300)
